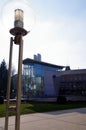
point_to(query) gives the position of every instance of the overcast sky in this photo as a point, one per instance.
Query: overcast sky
(59, 33)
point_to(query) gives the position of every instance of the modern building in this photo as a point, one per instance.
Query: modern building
(37, 82)
(45, 80)
(71, 84)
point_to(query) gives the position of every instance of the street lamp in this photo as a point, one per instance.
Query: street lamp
(18, 32)
(7, 14)
(20, 9)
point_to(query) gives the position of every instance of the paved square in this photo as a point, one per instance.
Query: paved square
(74, 119)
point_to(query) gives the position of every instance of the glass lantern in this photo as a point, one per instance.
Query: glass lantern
(24, 14)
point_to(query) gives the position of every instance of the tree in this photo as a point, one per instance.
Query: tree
(3, 78)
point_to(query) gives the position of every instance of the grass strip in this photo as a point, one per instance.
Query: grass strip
(27, 108)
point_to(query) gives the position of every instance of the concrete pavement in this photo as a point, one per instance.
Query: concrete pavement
(74, 119)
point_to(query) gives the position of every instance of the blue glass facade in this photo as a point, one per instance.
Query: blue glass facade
(39, 69)
(33, 72)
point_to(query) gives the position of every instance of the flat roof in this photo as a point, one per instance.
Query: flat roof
(28, 60)
(77, 71)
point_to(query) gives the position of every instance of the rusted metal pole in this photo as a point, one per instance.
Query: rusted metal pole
(8, 84)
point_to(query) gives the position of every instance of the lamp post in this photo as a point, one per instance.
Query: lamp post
(23, 20)
(18, 32)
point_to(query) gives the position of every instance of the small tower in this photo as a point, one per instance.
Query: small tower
(37, 57)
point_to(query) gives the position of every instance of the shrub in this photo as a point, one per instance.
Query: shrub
(61, 99)
(1, 100)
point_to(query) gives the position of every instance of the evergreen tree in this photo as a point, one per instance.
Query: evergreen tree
(3, 78)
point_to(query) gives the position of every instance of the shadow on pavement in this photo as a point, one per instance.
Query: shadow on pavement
(79, 110)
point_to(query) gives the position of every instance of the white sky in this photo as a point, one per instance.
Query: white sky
(59, 34)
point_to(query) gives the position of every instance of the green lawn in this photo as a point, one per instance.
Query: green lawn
(42, 107)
